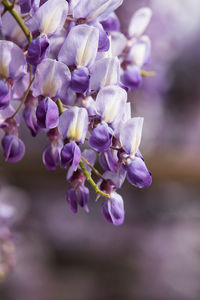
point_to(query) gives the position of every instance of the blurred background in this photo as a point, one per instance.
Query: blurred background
(52, 254)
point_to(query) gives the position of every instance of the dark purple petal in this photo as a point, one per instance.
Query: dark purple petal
(138, 174)
(38, 50)
(111, 23)
(101, 137)
(47, 114)
(50, 157)
(109, 160)
(27, 5)
(132, 78)
(82, 193)
(113, 209)
(72, 200)
(4, 95)
(80, 80)
(13, 147)
(104, 43)
(30, 119)
(70, 153)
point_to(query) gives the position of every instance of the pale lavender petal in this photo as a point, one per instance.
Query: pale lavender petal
(132, 77)
(113, 209)
(117, 178)
(138, 174)
(98, 10)
(49, 18)
(118, 43)
(130, 135)
(73, 124)
(140, 51)
(52, 79)
(101, 137)
(12, 60)
(139, 21)
(80, 46)
(104, 72)
(13, 147)
(90, 156)
(109, 102)
(19, 87)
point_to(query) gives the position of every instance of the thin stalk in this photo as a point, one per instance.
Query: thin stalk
(91, 166)
(9, 7)
(60, 106)
(91, 181)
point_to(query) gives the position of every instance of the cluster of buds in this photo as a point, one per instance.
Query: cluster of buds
(70, 68)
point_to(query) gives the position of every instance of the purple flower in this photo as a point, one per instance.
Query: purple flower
(28, 5)
(138, 174)
(50, 157)
(78, 196)
(80, 47)
(140, 51)
(101, 137)
(113, 209)
(73, 124)
(30, 119)
(132, 77)
(104, 43)
(13, 147)
(52, 79)
(80, 80)
(139, 21)
(38, 50)
(111, 23)
(4, 95)
(70, 154)
(95, 10)
(12, 60)
(47, 114)
(49, 18)
(104, 72)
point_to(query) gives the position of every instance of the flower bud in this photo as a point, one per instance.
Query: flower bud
(50, 157)
(113, 209)
(132, 77)
(70, 154)
(101, 137)
(47, 114)
(13, 147)
(38, 49)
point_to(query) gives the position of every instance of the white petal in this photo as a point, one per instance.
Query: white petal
(139, 22)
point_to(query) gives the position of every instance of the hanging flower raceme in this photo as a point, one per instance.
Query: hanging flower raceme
(69, 67)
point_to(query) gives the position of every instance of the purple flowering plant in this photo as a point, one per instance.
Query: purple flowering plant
(70, 68)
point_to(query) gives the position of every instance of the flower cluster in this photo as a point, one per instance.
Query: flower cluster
(70, 68)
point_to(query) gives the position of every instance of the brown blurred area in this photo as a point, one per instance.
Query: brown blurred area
(155, 254)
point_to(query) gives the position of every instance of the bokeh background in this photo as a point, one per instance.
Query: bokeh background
(155, 255)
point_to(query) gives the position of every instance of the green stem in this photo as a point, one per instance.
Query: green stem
(9, 7)
(91, 181)
(23, 99)
(60, 106)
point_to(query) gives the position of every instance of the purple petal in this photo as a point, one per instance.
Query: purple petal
(130, 135)
(132, 77)
(52, 79)
(104, 43)
(109, 102)
(104, 72)
(4, 95)
(38, 49)
(139, 21)
(113, 209)
(13, 147)
(49, 18)
(80, 80)
(12, 60)
(30, 119)
(70, 153)
(80, 46)
(47, 114)
(109, 160)
(50, 157)
(73, 124)
(111, 23)
(101, 137)
(27, 5)
(138, 174)
(98, 10)
(82, 194)
(72, 200)
(90, 156)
